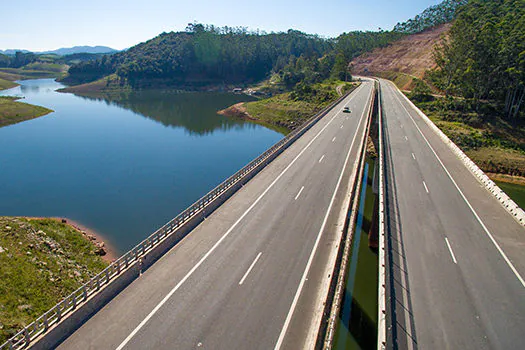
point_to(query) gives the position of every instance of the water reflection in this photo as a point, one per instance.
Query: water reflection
(180, 109)
(121, 165)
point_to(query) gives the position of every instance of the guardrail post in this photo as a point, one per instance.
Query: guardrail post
(26, 336)
(58, 311)
(46, 323)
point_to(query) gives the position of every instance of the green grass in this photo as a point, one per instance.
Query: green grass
(6, 84)
(514, 191)
(12, 112)
(23, 73)
(41, 262)
(288, 110)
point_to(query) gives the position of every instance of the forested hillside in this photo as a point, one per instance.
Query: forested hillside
(204, 55)
(433, 16)
(484, 55)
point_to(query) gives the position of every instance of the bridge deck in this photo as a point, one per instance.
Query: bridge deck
(452, 288)
(264, 236)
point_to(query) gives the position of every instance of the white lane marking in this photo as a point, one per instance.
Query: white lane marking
(450, 250)
(300, 191)
(250, 269)
(201, 261)
(414, 156)
(321, 159)
(426, 188)
(342, 126)
(406, 138)
(314, 249)
(333, 140)
(507, 260)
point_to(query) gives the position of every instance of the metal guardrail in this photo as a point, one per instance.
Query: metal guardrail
(106, 276)
(381, 293)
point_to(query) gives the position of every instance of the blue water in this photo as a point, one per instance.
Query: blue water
(124, 165)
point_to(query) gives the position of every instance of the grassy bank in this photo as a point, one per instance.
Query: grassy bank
(41, 262)
(6, 84)
(12, 112)
(107, 84)
(34, 71)
(289, 110)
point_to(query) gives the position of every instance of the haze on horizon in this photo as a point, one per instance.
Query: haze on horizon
(37, 25)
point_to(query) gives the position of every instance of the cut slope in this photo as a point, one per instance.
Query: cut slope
(412, 55)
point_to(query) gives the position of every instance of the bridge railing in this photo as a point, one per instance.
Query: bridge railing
(70, 303)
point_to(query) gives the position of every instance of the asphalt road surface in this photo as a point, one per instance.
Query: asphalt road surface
(458, 259)
(249, 276)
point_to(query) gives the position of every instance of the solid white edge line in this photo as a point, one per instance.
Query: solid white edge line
(316, 244)
(507, 260)
(450, 250)
(426, 188)
(201, 261)
(300, 191)
(250, 269)
(321, 159)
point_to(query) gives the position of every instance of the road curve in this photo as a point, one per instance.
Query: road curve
(247, 277)
(457, 262)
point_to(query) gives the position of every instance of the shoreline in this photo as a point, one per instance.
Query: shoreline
(95, 237)
(91, 235)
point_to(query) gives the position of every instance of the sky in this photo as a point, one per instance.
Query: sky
(40, 25)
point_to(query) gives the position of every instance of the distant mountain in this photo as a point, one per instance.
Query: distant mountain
(66, 51)
(81, 49)
(11, 52)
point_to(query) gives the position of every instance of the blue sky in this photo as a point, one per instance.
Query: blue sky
(40, 25)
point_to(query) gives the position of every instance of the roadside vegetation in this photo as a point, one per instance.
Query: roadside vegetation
(289, 110)
(41, 262)
(490, 140)
(481, 73)
(12, 111)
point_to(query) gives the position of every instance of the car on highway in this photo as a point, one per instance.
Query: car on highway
(346, 110)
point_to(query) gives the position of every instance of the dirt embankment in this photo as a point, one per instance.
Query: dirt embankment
(238, 110)
(412, 55)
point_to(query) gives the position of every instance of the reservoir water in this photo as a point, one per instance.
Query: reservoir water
(122, 165)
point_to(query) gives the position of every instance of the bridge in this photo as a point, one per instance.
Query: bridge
(253, 263)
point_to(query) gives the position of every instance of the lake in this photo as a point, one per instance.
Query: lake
(121, 165)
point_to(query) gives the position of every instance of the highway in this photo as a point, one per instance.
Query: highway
(457, 257)
(253, 274)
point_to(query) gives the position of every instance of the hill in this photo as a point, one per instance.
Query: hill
(412, 56)
(205, 55)
(81, 49)
(65, 50)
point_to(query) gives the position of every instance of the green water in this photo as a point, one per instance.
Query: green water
(514, 191)
(360, 299)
